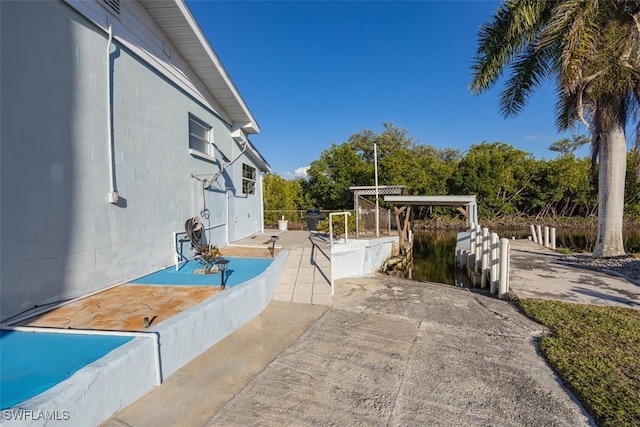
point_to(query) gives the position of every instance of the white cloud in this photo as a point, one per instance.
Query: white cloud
(301, 172)
(533, 137)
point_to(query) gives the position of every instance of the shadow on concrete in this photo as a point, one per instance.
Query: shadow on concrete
(606, 297)
(317, 250)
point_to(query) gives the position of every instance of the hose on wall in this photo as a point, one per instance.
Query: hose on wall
(195, 231)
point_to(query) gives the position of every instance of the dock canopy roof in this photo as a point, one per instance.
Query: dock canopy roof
(430, 200)
(468, 201)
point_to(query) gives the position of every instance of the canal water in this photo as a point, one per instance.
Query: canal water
(434, 251)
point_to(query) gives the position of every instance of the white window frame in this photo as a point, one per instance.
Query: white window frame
(248, 182)
(206, 141)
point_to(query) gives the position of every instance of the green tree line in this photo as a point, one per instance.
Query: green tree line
(506, 181)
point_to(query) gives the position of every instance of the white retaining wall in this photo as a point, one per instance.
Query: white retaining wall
(361, 257)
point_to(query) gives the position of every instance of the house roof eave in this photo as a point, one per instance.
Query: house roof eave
(174, 18)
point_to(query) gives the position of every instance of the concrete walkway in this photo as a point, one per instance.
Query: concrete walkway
(538, 272)
(389, 352)
(306, 277)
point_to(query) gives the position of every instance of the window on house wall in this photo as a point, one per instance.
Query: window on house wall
(200, 138)
(248, 179)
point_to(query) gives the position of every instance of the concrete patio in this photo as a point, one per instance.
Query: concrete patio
(306, 277)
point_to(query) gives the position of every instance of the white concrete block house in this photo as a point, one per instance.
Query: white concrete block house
(98, 149)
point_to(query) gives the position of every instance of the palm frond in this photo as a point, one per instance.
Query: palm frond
(590, 47)
(492, 54)
(565, 111)
(514, 26)
(527, 73)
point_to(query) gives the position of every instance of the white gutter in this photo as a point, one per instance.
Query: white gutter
(195, 53)
(154, 336)
(112, 196)
(226, 207)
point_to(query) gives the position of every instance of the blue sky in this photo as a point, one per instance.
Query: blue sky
(314, 73)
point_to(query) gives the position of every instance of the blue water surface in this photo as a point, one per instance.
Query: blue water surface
(239, 270)
(31, 363)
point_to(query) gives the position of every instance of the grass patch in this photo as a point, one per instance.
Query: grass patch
(596, 351)
(564, 251)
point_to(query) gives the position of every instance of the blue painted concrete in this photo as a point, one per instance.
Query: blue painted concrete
(31, 363)
(239, 270)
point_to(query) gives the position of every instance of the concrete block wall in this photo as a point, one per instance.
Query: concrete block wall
(60, 237)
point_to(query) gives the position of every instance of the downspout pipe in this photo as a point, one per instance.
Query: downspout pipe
(227, 207)
(154, 336)
(261, 230)
(112, 196)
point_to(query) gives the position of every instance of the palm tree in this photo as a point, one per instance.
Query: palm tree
(591, 50)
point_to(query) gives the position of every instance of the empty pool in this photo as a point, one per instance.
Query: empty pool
(239, 270)
(34, 362)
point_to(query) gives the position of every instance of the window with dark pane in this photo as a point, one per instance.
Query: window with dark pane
(248, 179)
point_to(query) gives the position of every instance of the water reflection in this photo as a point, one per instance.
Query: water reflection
(434, 251)
(433, 258)
(585, 241)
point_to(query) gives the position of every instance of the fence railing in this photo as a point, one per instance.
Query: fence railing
(367, 221)
(296, 218)
(308, 219)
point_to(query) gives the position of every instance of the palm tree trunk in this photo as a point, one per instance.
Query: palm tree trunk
(611, 181)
